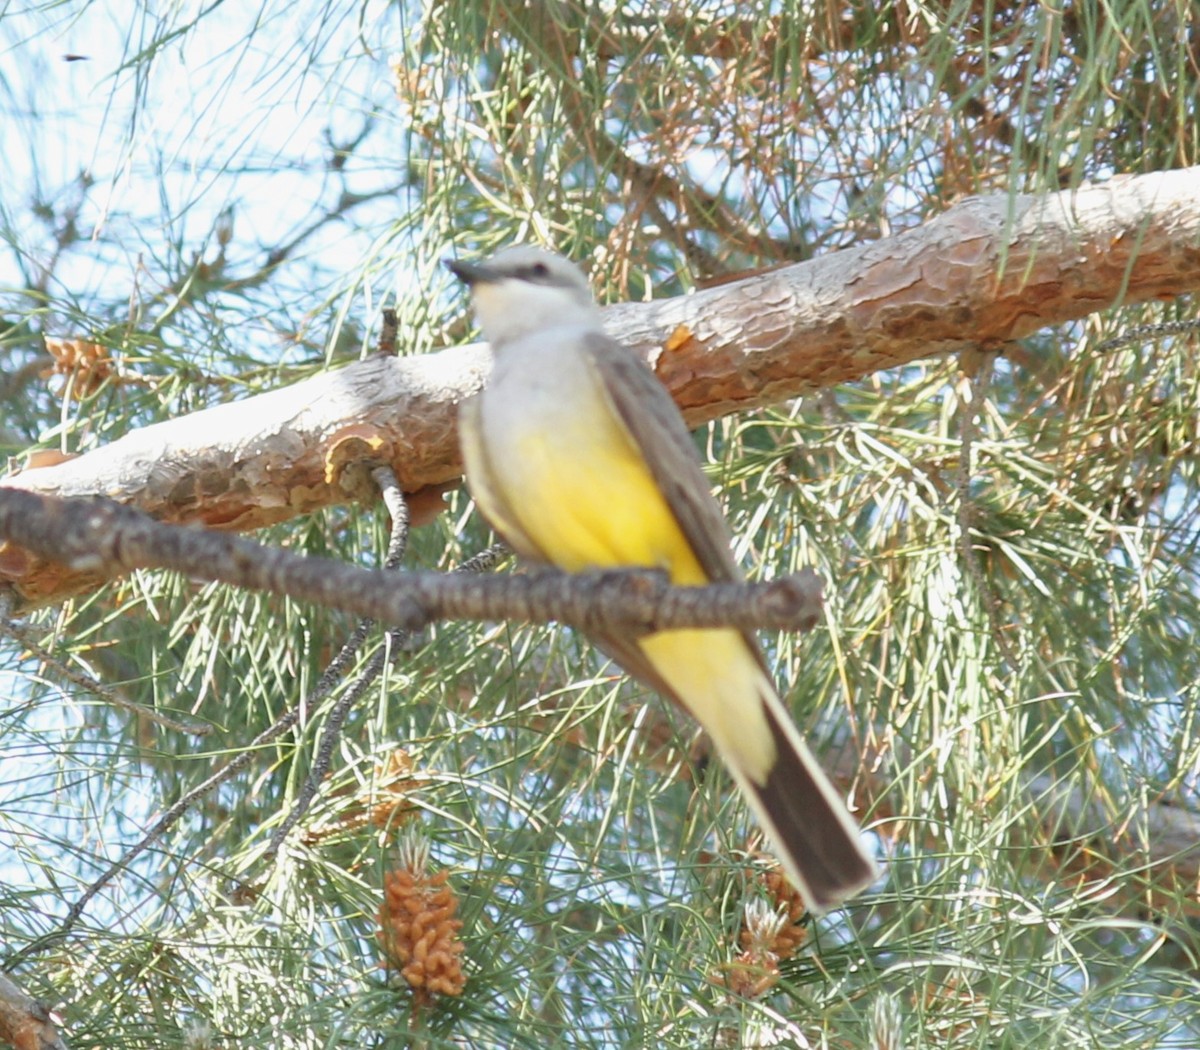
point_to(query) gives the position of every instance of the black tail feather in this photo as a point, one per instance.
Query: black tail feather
(812, 832)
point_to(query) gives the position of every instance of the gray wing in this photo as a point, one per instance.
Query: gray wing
(654, 424)
(656, 427)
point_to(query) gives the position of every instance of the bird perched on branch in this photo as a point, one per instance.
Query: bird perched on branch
(579, 458)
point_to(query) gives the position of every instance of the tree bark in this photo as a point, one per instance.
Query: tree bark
(988, 271)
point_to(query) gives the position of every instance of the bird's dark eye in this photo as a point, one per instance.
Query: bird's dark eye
(540, 270)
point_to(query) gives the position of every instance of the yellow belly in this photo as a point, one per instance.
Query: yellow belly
(572, 480)
(570, 473)
(604, 510)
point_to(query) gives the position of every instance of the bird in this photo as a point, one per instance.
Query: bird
(580, 459)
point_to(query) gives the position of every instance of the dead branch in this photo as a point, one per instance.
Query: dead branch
(109, 539)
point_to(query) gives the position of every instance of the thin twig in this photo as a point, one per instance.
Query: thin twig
(393, 499)
(25, 637)
(486, 560)
(1140, 333)
(330, 735)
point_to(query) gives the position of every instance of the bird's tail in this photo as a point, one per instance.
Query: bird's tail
(719, 677)
(813, 834)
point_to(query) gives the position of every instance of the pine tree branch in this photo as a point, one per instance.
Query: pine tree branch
(1083, 846)
(104, 537)
(988, 271)
(24, 1022)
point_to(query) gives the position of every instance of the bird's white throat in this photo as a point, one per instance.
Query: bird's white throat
(510, 309)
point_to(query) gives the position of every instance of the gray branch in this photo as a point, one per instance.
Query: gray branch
(100, 536)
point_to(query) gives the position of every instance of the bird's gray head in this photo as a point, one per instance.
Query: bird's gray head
(524, 289)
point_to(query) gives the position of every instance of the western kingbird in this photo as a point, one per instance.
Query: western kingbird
(579, 458)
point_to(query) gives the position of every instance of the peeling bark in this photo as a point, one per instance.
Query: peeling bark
(988, 271)
(26, 1024)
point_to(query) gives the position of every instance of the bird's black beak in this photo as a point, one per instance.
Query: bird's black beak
(469, 273)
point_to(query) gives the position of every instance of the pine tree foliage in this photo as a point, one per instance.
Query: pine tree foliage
(212, 203)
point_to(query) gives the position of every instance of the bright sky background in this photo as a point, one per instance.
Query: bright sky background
(235, 109)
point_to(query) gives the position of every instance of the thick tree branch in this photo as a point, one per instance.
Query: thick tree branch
(108, 538)
(988, 271)
(24, 1022)
(1084, 846)
(1092, 845)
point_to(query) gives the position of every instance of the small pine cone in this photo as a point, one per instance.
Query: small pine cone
(749, 976)
(88, 364)
(756, 970)
(770, 933)
(418, 931)
(788, 901)
(393, 804)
